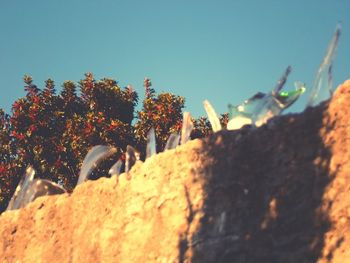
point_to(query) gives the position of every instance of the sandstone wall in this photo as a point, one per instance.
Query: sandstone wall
(279, 193)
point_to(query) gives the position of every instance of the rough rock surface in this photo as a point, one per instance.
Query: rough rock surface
(280, 193)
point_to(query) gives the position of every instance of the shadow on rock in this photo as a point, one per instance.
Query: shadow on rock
(264, 193)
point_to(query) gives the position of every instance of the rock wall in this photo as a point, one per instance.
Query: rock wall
(279, 193)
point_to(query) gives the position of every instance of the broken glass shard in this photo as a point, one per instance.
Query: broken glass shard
(172, 142)
(287, 98)
(323, 86)
(187, 127)
(130, 158)
(92, 159)
(238, 122)
(282, 81)
(212, 116)
(21, 189)
(35, 189)
(151, 143)
(261, 107)
(40, 187)
(116, 168)
(274, 105)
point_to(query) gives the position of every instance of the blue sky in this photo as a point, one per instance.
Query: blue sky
(223, 51)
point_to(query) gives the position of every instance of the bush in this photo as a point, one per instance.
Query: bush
(163, 113)
(53, 133)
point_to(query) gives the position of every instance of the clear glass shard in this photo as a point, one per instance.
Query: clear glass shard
(212, 116)
(172, 142)
(187, 127)
(261, 107)
(253, 108)
(238, 122)
(322, 88)
(249, 108)
(40, 187)
(92, 159)
(282, 81)
(130, 158)
(21, 189)
(116, 169)
(276, 104)
(330, 78)
(151, 143)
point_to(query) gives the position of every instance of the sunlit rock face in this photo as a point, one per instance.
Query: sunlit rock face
(278, 193)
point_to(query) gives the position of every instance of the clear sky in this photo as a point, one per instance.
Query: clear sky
(223, 50)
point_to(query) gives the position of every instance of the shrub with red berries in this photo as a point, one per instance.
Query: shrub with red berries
(53, 132)
(163, 112)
